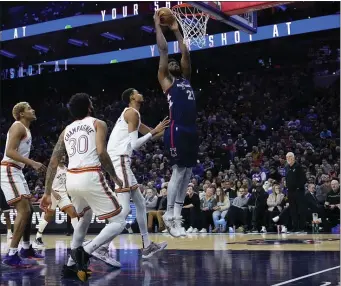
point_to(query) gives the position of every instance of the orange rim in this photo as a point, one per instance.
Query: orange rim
(185, 5)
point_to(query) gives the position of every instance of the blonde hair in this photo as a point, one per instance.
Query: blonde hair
(18, 108)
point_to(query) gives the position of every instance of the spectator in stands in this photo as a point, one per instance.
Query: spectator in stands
(161, 207)
(313, 205)
(238, 211)
(333, 204)
(283, 219)
(257, 206)
(208, 202)
(226, 187)
(324, 188)
(191, 211)
(274, 203)
(325, 133)
(241, 146)
(220, 210)
(295, 180)
(151, 200)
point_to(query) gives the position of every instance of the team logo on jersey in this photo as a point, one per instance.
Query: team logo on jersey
(183, 85)
(173, 152)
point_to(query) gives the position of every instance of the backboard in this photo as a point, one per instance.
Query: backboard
(241, 15)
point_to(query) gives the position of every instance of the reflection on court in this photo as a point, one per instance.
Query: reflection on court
(196, 260)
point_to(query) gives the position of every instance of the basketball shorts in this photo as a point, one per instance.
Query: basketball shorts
(124, 172)
(181, 146)
(63, 203)
(13, 183)
(88, 188)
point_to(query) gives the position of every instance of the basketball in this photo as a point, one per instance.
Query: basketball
(166, 16)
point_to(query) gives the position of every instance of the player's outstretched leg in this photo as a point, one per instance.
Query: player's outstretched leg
(174, 185)
(149, 247)
(179, 201)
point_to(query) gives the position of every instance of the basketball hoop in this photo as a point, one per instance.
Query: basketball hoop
(193, 22)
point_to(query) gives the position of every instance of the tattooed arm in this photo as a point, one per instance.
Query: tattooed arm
(58, 152)
(101, 136)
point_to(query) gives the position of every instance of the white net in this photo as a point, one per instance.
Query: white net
(193, 22)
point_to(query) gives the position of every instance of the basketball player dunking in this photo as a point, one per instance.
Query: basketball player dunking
(123, 140)
(181, 137)
(62, 201)
(14, 185)
(84, 140)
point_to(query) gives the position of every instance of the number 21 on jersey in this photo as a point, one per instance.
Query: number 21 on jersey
(190, 94)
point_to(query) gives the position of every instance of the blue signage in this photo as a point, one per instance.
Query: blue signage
(212, 41)
(128, 10)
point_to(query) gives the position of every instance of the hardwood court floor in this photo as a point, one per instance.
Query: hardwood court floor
(199, 259)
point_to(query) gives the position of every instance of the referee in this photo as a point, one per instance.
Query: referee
(295, 181)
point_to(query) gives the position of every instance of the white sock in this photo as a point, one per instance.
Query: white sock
(108, 233)
(177, 209)
(9, 232)
(145, 240)
(74, 222)
(26, 244)
(12, 251)
(43, 223)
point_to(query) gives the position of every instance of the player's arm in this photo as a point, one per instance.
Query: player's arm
(132, 118)
(185, 57)
(15, 134)
(59, 151)
(144, 129)
(101, 136)
(163, 74)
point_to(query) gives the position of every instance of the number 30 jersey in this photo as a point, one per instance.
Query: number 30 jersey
(80, 143)
(182, 105)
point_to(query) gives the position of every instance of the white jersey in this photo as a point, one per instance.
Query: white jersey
(24, 147)
(119, 141)
(59, 180)
(80, 143)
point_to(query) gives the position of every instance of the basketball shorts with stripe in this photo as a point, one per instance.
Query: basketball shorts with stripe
(124, 172)
(63, 203)
(89, 189)
(181, 147)
(13, 184)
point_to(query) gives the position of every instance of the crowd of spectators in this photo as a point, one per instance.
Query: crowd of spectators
(247, 123)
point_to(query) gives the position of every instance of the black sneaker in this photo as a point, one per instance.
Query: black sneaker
(70, 272)
(82, 260)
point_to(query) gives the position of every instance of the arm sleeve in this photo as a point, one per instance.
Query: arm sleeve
(136, 142)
